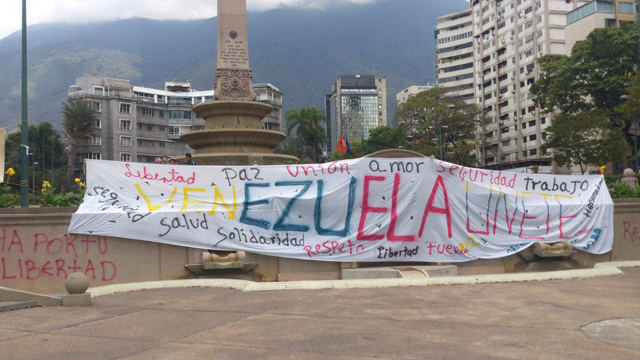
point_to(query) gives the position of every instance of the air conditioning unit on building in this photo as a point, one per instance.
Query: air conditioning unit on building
(500, 96)
(513, 91)
(540, 53)
(513, 78)
(511, 37)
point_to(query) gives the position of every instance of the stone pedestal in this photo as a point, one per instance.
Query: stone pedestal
(629, 178)
(83, 299)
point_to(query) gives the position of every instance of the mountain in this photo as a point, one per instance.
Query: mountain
(300, 50)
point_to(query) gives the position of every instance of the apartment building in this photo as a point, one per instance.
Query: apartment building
(591, 15)
(413, 90)
(356, 105)
(454, 54)
(507, 37)
(139, 124)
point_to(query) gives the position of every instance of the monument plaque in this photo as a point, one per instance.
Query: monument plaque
(233, 77)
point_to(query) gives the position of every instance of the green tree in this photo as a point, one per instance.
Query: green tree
(584, 139)
(78, 123)
(307, 124)
(47, 148)
(291, 146)
(593, 77)
(384, 137)
(440, 122)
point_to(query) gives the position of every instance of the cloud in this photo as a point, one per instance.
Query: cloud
(84, 11)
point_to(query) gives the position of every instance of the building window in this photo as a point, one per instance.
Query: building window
(125, 140)
(161, 144)
(161, 129)
(91, 156)
(532, 123)
(98, 124)
(625, 7)
(161, 114)
(125, 108)
(150, 127)
(98, 90)
(539, 19)
(533, 152)
(125, 124)
(532, 137)
(126, 157)
(543, 120)
(96, 105)
(179, 114)
(139, 126)
(147, 112)
(95, 140)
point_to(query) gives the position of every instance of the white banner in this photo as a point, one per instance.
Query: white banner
(413, 209)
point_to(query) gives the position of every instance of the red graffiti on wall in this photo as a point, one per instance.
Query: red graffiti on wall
(21, 267)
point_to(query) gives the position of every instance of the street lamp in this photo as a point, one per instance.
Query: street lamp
(526, 162)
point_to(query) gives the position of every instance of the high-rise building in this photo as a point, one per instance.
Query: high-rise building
(356, 105)
(405, 94)
(505, 38)
(591, 15)
(139, 124)
(454, 54)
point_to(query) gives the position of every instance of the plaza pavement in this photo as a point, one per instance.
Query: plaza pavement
(518, 320)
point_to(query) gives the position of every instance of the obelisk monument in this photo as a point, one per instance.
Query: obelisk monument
(233, 77)
(233, 133)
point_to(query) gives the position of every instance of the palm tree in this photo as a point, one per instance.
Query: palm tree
(78, 123)
(306, 124)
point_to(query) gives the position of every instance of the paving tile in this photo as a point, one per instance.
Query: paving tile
(405, 339)
(53, 347)
(206, 351)
(6, 334)
(465, 304)
(153, 325)
(46, 318)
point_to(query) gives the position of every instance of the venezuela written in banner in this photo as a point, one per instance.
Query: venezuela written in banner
(367, 209)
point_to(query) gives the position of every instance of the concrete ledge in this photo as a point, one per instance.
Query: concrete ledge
(17, 305)
(19, 295)
(601, 269)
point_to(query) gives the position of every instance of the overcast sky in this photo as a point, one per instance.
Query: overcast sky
(82, 11)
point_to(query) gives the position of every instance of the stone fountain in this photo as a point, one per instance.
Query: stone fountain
(233, 133)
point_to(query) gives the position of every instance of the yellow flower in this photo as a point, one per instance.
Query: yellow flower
(46, 184)
(10, 172)
(77, 180)
(41, 190)
(81, 183)
(602, 169)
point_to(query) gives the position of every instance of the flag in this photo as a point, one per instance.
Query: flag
(342, 146)
(349, 151)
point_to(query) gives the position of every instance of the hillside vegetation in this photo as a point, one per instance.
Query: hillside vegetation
(299, 50)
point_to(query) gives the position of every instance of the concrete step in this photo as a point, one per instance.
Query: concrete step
(8, 305)
(399, 272)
